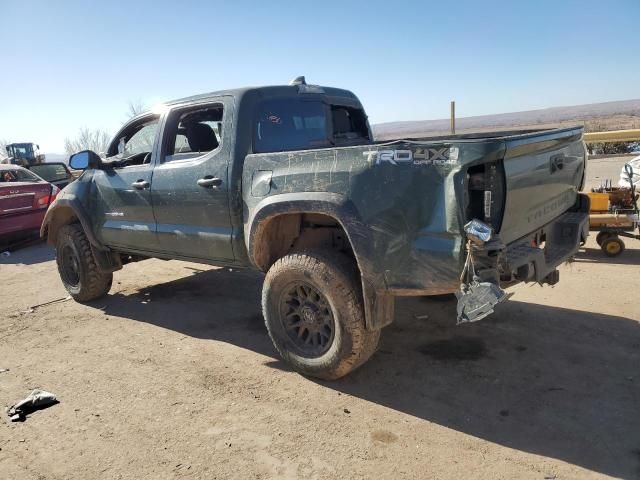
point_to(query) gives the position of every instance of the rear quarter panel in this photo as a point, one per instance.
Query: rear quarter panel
(404, 214)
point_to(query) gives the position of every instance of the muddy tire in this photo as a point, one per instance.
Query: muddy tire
(312, 305)
(77, 267)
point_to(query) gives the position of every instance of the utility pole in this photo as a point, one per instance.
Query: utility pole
(453, 117)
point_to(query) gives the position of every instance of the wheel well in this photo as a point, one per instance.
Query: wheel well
(284, 233)
(63, 216)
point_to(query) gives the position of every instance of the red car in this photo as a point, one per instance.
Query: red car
(24, 199)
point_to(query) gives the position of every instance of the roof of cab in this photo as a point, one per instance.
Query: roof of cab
(274, 90)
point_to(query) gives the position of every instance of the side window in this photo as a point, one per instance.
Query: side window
(134, 145)
(18, 176)
(290, 124)
(194, 132)
(348, 124)
(142, 140)
(50, 172)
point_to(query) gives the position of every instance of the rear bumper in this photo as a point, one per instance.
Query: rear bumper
(535, 257)
(562, 238)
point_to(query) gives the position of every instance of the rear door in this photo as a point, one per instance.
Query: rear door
(124, 213)
(190, 190)
(55, 173)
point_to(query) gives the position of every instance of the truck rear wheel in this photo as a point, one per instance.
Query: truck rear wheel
(77, 267)
(313, 310)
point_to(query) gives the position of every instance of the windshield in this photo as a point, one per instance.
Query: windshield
(22, 151)
(18, 176)
(51, 172)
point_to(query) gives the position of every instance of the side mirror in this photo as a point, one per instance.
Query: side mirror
(85, 159)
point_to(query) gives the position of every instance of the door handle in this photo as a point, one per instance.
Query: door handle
(210, 182)
(140, 184)
(556, 163)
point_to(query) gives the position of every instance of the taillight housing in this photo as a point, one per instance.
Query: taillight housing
(486, 193)
(44, 199)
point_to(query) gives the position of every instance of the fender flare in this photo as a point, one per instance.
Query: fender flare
(378, 303)
(63, 212)
(62, 206)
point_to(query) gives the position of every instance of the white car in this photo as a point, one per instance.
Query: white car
(624, 177)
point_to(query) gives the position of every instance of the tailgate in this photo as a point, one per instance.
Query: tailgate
(543, 172)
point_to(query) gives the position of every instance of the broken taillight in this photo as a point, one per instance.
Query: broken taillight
(486, 193)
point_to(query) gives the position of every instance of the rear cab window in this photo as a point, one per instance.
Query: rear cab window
(285, 124)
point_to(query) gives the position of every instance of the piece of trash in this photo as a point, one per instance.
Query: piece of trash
(346, 410)
(421, 317)
(38, 399)
(57, 300)
(6, 254)
(2, 370)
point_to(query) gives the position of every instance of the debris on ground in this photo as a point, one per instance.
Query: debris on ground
(6, 254)
(2, 370)
(37, 400)
(50, 302)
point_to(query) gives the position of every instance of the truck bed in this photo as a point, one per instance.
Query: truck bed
(408, 199)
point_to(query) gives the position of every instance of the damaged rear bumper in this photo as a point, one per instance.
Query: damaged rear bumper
(532, 258)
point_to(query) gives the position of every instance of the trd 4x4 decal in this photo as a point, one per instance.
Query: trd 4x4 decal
(419, 156)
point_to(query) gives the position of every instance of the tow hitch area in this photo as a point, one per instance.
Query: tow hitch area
(476, 297)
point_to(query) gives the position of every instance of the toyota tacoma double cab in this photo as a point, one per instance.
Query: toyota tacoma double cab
(289, 180)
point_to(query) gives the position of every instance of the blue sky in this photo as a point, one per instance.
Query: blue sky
(73, 64)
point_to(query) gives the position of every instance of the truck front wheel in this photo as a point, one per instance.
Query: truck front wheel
(77, 267)
(313, 310)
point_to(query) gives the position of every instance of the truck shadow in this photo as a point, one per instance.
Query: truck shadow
(544, 380)
(631, 256)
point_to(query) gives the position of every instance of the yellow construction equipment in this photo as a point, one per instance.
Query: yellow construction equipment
(632, 135)
(613, 213)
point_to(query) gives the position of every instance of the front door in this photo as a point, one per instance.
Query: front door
(124, 213)
(190, 183)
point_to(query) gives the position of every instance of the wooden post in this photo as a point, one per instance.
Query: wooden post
(453, 117)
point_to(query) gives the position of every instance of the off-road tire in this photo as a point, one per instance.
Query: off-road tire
(612, 246)
(91, 282)
(335, 276)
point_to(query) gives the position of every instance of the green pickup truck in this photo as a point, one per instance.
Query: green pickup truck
(289, 180)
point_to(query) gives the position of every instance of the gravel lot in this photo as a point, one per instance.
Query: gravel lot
(173, 375)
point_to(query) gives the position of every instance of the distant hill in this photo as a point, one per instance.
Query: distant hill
(595, 117)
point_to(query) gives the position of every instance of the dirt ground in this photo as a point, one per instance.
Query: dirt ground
(173, 375)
